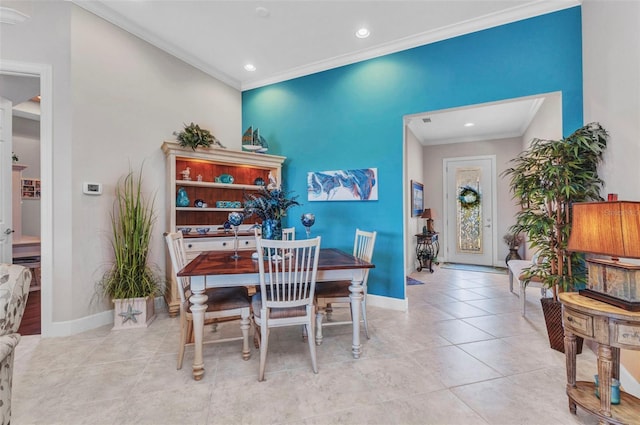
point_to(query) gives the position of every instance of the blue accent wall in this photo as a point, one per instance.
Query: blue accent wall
(352, 117)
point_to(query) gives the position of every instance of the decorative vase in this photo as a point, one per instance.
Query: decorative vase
(513, 255)
(182, 200)
(272, 229)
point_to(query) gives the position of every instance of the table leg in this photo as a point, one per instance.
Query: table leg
(198, 307)
(570, 346)
(604, 376)
(356, 302)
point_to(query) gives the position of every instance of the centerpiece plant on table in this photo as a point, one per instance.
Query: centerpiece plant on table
(270, 205)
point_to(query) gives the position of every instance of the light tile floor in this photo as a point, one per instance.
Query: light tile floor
(462, 354)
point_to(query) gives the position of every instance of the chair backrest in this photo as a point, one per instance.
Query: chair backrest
(175, 243)
(363, 245)
(14, 292)
(288, 271)
(289, 234)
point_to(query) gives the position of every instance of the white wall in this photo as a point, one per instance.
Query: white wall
(611, 66)
(115, 100)
(26, 145)
(611, 56)
(415, 172)
(547, 123)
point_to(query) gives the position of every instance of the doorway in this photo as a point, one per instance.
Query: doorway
(43, 74)
(470, 185)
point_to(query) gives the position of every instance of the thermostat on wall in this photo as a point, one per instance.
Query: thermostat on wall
(92, 188)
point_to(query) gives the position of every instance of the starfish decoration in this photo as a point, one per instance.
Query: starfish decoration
(130, 314)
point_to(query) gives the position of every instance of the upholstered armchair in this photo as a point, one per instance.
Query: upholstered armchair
(14, 290)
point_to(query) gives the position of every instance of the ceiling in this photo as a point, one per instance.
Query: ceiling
(289, 39)
(490, 121)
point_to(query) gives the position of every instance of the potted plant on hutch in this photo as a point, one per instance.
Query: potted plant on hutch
(193, 136)
(130, 281)
(547, 179)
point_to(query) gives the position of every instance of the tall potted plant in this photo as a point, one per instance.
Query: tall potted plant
(546, 180)
(131, 282)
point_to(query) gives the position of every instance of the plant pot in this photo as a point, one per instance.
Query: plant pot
(552, 311)
(272, 229)
(130, 313)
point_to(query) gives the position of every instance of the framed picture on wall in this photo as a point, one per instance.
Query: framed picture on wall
(417, 198)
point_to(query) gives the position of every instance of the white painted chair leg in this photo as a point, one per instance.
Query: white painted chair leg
(264, 342)
(183, 340)
(312, 347)
(319, 318)
(364, 317)
(523, 297)
(245, 325)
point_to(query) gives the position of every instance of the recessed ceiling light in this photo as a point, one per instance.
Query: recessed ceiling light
(469, 124)
(262, 12)
(250, 67)
(362, 33)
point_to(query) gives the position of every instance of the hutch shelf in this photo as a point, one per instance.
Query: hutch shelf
(204, 175)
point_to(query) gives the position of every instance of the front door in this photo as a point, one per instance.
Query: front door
(469, 230)
(6, 245)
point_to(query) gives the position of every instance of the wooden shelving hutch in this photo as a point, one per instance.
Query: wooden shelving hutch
(245, 167)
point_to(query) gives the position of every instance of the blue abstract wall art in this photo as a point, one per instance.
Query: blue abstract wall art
(343, 185)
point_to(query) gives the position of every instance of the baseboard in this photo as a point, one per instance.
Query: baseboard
(387, 302)
(83, 324)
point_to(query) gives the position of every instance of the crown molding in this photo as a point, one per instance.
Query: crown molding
(507, 16)
(97, 8)
(12, 16)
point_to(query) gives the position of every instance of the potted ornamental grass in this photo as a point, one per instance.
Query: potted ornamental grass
(131, 281)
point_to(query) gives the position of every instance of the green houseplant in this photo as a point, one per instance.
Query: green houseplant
(131, 281)
(193, 136)
(546, 180)
(270, 205)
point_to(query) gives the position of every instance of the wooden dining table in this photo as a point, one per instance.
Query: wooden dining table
(217, 269)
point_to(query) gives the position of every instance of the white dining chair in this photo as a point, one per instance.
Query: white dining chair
(289, 234)
(287, 288)
(337, 292)
(221, 303)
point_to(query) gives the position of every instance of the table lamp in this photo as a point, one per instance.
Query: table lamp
(611, 229)
(426, 213)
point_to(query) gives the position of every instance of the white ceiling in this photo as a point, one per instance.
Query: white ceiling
(289, 39)
(300, 37)
(498, 120)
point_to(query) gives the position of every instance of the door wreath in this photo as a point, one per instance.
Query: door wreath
(469, 197)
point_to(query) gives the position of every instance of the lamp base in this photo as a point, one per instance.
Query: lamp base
(613, 282)
(623, 304)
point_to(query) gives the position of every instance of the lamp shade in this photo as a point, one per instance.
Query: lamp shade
(426, 213)
(607, 228)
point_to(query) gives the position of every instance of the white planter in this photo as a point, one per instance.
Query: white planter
(133, 313)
